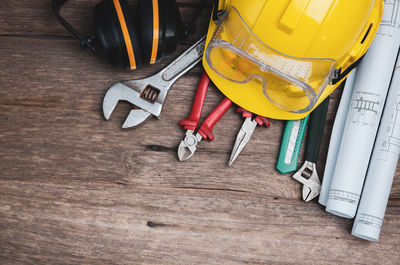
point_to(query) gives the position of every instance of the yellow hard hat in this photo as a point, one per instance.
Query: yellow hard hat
(281, 58)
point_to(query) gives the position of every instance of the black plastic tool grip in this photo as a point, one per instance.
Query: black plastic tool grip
(316, 131)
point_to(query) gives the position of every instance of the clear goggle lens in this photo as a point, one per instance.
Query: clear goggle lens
(293, 84)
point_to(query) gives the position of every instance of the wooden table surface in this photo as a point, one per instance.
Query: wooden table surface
(76, 189)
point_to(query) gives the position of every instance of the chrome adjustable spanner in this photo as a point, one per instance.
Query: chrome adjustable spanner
(148, 94)
(307, 174)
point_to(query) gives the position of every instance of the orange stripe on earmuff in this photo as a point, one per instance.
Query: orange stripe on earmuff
(125, 33)
(154, 48)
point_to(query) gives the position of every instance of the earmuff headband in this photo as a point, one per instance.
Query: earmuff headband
(85, 42)
(154, 49)
(125, 33)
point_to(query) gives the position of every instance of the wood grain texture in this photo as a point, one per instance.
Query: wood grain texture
(76, 189)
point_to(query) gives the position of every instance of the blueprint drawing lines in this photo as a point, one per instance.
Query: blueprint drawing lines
(391, 143)
(366, 108)
(389, 18)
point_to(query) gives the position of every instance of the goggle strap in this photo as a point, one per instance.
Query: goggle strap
(343, 74)
(215, 10)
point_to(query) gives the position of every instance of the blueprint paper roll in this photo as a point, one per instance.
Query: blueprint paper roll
(382, 167)
(336, 136)
(370, 89)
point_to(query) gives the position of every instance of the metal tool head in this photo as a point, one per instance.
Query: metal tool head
(135, 118)
(242, 138)
(149, 93)
(307, 175)
(188, 146)
(132, 92)
(311, 190)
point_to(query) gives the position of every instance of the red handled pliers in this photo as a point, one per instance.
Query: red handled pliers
(188, 145)
(246, 131)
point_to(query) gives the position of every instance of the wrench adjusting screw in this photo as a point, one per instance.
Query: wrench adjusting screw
(150, 93)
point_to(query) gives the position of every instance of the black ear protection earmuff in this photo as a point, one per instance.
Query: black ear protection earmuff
(130, 39)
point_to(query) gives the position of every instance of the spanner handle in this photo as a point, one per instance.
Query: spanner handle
(191, 122)
(316, 131)
(206, 128)
(185, 62)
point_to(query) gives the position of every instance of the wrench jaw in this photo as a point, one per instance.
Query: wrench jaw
(121, 92)
(307, 175)
(118, 92)
(135, 118)
(111, 100)
(312, 189)
(148, 94)
(310, 193)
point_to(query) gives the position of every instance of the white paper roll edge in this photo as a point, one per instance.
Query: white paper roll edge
(378, 182)
(370, 90)
(336, 136)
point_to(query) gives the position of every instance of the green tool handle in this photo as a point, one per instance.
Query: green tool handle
(288, 145)
(316, 131)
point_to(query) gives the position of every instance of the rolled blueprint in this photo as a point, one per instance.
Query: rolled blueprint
(336, 136)
(382, 167)
(370, 89)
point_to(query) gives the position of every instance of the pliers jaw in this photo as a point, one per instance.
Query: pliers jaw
(188, 146)
(242, 138)
(307, 175)
(250, 123)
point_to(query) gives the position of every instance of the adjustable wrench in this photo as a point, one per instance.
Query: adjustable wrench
(148, 94)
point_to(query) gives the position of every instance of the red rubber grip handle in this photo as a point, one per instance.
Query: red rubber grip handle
(245, 113)
(191, 122)
(261, 120)
(206, 128)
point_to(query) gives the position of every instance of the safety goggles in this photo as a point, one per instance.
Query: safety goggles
(237, 54)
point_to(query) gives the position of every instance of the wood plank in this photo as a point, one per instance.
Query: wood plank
(59, 115)
(36, 18)
(66, 105)
(75, 188)
(58, 223)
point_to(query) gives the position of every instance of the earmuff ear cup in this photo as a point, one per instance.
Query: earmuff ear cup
(115, 33)
(158, 27)
(172, 28)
